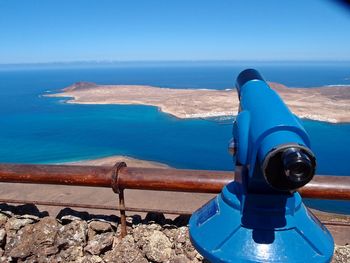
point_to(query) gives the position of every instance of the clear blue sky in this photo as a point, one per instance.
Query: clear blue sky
(79, 30)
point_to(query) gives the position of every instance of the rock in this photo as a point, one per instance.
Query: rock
(36, 239)
(2, 237)
(110, 219)
(35, 259)
(100, 227)
(11, 241)
(157, 247)
(97, 227)
(342, 254)
(180, 259)
(169, 234)
(181, 235)
(69, 218)
(182, 245)
(125, 252)
(199, 257)
(35, 218)
(17, 223)
(189, 250)
(90, 234)
(3, 219)
(144, 231)
(24, 240)
(100, 243)
(4, 259)
(71, 254)
(92, 259)
(72, 234)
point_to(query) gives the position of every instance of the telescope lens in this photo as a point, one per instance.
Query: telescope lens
(288, 168)
(297, 165)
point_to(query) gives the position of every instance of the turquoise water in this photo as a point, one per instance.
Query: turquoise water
(35, 129)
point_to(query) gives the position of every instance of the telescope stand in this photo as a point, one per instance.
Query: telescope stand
(245, 227)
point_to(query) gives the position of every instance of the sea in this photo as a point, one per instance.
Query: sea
(38, 129)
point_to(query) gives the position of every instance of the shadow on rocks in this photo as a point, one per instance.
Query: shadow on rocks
(26, 209)
(159, 218)
(181, 220)
(67, 215)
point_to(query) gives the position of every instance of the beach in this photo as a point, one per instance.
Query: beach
(329, 104)
(112, 160)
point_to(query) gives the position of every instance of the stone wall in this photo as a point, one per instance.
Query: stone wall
(28, 235)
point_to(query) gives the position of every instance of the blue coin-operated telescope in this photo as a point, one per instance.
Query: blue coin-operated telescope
(259, 217)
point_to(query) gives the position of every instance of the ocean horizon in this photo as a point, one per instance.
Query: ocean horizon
(37, 129)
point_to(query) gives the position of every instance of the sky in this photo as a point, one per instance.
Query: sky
(40, 31)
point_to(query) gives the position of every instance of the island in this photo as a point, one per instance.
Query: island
(329, 104)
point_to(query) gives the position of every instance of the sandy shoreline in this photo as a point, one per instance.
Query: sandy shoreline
(330, 104)
(111, 160)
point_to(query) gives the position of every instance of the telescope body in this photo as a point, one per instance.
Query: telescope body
(265, 128)
(260, 217)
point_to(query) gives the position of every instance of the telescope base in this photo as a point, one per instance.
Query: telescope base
(234, 227)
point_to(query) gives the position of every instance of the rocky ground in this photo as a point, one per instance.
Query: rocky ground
(28, 235)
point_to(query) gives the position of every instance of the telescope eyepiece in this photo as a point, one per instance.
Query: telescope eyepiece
(297, 165)
(289, 167)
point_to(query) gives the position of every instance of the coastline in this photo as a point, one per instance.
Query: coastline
(329, 104)
(111, 160)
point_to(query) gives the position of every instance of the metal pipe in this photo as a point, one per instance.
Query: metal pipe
(322, 187)
(327, 187)
(196, 181)
(97, 176)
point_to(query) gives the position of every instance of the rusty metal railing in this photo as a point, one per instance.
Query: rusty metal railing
(120, 177)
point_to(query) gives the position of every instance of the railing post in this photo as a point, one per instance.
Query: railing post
(120, 192)
(123, 232)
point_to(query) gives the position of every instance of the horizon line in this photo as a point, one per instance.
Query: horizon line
(72, 62)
